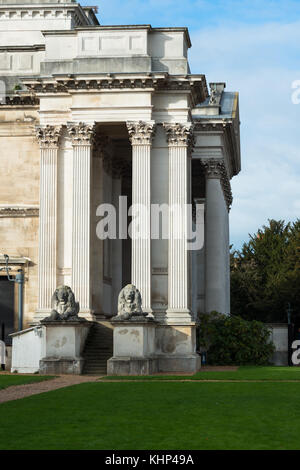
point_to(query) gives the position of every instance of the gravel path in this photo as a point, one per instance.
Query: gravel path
(16, 392)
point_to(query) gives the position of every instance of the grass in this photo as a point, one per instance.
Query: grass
(9, 380)
(168, 416)
(243, 373)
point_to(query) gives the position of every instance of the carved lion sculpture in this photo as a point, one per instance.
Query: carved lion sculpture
(129, 303)
(64, 306)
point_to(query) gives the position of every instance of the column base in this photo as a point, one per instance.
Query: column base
(187, 364)
(178, 316)
(40, 315)
(62, 365)
(88, 314)
(132, 366)
(149, 313)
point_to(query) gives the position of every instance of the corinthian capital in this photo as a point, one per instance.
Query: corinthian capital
(179, 134)
(141, 133)
(215, 168)
(81, 133)
(48, 136)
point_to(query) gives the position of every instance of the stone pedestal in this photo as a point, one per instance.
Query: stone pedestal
(63, 346)
(176, 348)
(145, 348)
(134, 348)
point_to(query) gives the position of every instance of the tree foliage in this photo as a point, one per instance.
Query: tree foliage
(231, 340)
(265, 274)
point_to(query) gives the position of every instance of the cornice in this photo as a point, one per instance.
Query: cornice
(210, 125)
(195, 85)
(14, 211)
(23, 48)
(20, 100)
(77, 12)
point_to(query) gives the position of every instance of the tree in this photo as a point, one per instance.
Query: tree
(265, 274)
(233, 340)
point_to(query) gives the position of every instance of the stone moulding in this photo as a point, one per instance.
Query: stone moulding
(20, 100)
(215, 168)
(19, 212)
(195, 85)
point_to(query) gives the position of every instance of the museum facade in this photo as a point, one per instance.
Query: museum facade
(92, 116)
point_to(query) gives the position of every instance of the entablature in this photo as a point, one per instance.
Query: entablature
(194, 85)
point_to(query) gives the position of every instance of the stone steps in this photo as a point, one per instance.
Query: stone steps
(98, 348)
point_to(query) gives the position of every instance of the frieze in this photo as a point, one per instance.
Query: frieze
(19, 212)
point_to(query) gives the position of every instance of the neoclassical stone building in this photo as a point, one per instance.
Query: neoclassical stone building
(90, 113)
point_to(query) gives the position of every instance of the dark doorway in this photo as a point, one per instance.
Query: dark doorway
(6, 309)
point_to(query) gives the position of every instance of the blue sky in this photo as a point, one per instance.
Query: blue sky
(254, 46)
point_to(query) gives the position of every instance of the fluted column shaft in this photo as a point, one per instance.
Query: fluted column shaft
(216, 240)
(82, 138)
(179, 139)
(48, 137)
(141, 135)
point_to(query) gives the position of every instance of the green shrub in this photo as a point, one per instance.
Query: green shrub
(231, 340)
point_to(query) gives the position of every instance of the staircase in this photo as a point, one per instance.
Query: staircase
(98, 348)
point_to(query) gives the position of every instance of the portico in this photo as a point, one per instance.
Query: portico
(120, 115)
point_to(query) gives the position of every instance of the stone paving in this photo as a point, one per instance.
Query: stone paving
(16, 392)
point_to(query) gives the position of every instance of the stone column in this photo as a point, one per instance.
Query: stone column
(117, 284)
(179, 137)
(82, 139)
(227, 261)
(48, 137)
(216, 239)
(141, 134)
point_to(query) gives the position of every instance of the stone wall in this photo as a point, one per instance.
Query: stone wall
(279, 336)
(19, 196)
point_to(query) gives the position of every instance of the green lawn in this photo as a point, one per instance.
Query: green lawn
(9, 380)
(243, 373)
(120, 416)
